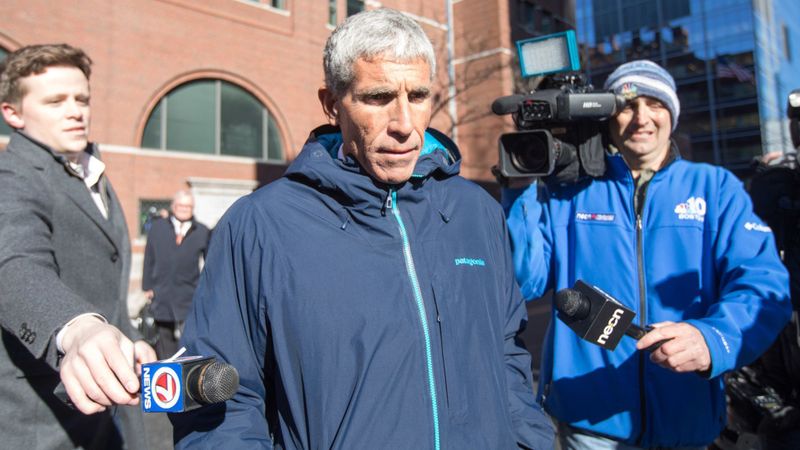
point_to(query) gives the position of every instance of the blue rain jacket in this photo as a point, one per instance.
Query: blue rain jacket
(364, 316)
(701, 256)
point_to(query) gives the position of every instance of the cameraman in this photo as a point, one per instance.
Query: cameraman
(675, 241)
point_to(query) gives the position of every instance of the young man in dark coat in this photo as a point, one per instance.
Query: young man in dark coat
(64, 267)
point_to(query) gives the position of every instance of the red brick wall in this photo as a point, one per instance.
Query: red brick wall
(483, 56)
(140, 47)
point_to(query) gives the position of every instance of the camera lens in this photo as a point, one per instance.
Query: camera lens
(528, 152)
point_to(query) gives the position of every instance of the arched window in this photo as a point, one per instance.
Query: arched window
(4, 128)
(213, 117)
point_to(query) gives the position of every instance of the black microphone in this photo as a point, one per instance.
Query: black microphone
(182, 384)
(507, 105)
(598, 317)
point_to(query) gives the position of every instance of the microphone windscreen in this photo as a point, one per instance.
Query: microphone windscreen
(219, 382)
(507, 105)
(572, 303)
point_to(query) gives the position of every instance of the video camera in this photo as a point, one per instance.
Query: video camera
(558, 127)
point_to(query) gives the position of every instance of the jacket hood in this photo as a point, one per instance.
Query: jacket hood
(318, 165)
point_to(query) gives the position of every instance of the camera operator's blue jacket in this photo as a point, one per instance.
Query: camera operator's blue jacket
(365, 316)
(697, 254)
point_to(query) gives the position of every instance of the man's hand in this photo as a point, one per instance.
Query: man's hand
(98, 365)
(149, 294)
(684, 351)
(144, 355)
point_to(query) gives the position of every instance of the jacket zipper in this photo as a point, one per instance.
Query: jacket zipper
(391, 204)
(639, 209)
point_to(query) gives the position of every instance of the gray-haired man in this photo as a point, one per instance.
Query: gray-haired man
(367, 298)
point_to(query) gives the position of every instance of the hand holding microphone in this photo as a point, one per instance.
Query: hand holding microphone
(99, 364)
(172, 385)
(599, 318)
(602, 320)
(686, 350)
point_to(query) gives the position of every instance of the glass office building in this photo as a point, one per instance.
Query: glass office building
(732, 61)
(777, 29)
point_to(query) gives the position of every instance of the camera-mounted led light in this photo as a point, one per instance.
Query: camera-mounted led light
(548, 54)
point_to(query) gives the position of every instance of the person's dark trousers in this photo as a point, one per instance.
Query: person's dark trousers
(168, 337)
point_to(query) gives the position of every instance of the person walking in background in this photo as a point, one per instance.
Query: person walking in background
(64, 267)
(176, 248)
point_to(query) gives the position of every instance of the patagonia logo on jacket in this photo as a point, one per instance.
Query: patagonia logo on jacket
(470, 262)
(692, 209)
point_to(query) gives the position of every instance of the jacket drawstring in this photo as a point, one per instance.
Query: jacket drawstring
(344, 216)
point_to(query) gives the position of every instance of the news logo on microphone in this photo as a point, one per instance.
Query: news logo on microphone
(594, 315)
(162, 385)
(181, 384)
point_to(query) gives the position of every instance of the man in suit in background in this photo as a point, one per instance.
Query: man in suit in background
(64, 266)
(175, 248)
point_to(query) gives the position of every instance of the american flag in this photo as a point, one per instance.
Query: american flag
(728, 69)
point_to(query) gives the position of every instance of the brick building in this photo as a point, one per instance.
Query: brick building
(221, 94)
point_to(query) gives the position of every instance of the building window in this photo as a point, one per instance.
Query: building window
(787, 43)
(4, 128)
(527, 17)
(332, 12)
(213, 117)
(354, 7)
(277, 4)
(546, 23)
